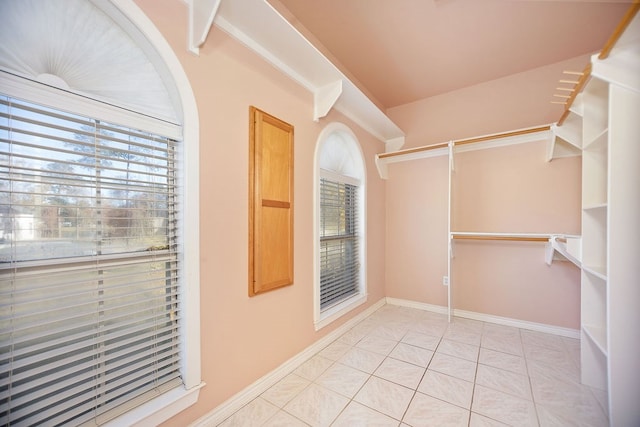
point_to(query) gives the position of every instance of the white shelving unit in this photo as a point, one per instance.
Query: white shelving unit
(595, 136)
(610, 244)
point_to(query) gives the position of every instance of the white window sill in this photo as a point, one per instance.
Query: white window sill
(339, 310)
(160, 409)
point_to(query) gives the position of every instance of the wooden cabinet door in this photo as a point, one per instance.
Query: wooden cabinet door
(270, 203)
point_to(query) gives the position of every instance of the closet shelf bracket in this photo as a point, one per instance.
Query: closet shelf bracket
(564, 248)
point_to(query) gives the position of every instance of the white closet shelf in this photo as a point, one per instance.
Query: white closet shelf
(598, 336)
(595, 207)
(564, 248)
(595, 270)
(520, 136)
(599, 142)
(566, 140)
(259, 26)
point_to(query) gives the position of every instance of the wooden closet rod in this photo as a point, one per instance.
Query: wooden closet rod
(496, 237)
(464, 141)
(576, 90)
(414, 150)
(502, 135)
(626, 20)
(604, 53)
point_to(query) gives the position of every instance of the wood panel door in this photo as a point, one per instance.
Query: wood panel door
(270, 202)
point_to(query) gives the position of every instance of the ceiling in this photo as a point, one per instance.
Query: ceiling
(401, 51)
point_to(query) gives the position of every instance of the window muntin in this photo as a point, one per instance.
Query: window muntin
(88, 266)
(339, 241)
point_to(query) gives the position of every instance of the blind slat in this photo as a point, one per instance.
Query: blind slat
(339, 251)
(61, 379)
(74, 406)
(84, 338)
(89, 271)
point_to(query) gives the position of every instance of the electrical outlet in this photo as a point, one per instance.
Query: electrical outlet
(445, 280)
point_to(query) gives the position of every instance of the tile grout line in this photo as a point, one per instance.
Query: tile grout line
(375, 324)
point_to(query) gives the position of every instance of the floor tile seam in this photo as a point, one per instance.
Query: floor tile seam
(253, 401)
(326, 390)
(366, 406)
(430, 361)
(566, 357)
(436, 398)
(415, 392)
(451, 403)
(292, 397)
(457, 356)
(471, 412)
(375, 409)
(286, 412)
(554, 408)
(358, 369)
(528, 376)
(369, 375)
(487, 337)
(535, 409)
(473, 395)
(350, 399)
(342, 411)
(410, 363)
(594, 398)
(508, 392)
(404, 414)
(572, 383)
(503, 352)
(397, 383)
(506, 370)
(562, 380)
(533, 397)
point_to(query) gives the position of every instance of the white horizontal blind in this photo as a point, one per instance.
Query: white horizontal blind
(339, 259)
(88, 267)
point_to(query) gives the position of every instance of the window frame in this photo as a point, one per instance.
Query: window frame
(323, 318)
(126, 12)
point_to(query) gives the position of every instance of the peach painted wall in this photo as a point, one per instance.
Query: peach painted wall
(417, 194)
(508, 189)
(513, 189)
(513, 102)
(245, 338)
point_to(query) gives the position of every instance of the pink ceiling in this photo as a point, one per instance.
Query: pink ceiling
(400, 51)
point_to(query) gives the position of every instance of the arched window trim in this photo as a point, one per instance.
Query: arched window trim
(127, 14)
(324, 318)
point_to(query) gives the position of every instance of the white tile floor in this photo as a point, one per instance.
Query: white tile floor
(408, 367)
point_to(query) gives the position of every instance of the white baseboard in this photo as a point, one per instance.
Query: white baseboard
(237, 401)
(522, 324)
(440, 309)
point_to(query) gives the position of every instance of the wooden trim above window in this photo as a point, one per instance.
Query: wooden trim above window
(270, 202)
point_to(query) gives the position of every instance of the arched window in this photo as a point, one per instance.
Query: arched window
(96, 262)
(340, 188)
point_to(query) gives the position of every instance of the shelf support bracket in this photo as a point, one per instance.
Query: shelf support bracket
(393, 144)
(201, 15)
(324, 98)
(383, 171)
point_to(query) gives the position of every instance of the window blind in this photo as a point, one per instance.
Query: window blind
(89, 270)
(339, 259)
